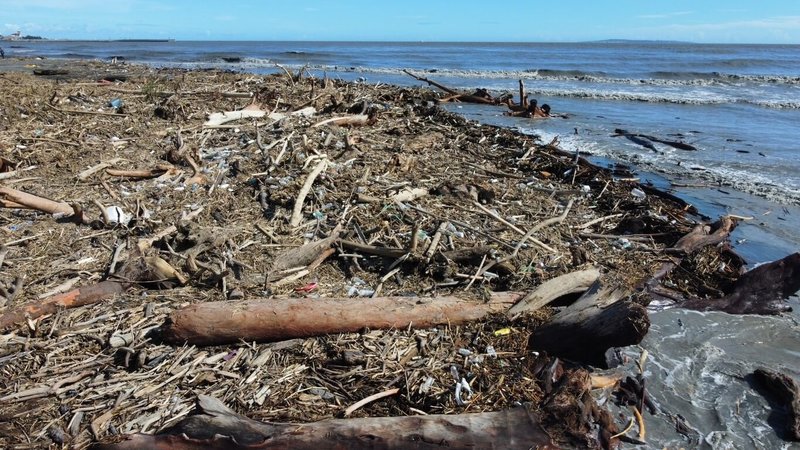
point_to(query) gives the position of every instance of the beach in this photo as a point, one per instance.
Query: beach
(184, 187)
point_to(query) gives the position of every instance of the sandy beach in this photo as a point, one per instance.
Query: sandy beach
(161, 190)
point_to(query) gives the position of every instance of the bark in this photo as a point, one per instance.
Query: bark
(601, 319)
(214, 426)
(214, 323)
(72, 299)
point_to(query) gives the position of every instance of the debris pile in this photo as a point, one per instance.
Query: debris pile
(286, 245)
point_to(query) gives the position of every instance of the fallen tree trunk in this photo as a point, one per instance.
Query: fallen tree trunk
(601, 319)
(759, 291)
(78, 297)
(215, 426)
(214, 323)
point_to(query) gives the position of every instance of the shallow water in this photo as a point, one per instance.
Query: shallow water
(697, 367)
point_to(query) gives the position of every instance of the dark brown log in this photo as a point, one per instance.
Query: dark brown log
(72, 299)
(214, 426)
(783, 393)
(601, 319)
(215, 323)
(759, 291)
(460, 96)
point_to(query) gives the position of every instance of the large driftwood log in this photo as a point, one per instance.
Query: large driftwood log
(214, 426)
(214, 323)
(601, 319)
(759, 291)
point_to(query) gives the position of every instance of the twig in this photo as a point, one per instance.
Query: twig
(598, 220)
(388, 252)
(529, 235)
(52, 141)
(370, 399)
(13, 173)
(476, 276)
(82, 111)
(298, 203)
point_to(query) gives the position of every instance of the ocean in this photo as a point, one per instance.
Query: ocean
(738, 105)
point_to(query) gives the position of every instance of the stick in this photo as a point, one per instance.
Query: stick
(369, 400)
(298, 203)
(13, 173)
(388, 252)
(36, 202)
(357, 119)
(140, 173)
(72, 299)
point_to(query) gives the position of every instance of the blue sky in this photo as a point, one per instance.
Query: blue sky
(726, 21)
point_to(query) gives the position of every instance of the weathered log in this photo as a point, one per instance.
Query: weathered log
(783, 393)
(550, 290)
(601, 319)
(214, 426)
(78, 297)
(214, 323)
(759, 291)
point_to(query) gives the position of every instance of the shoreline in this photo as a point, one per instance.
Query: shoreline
(241, 180)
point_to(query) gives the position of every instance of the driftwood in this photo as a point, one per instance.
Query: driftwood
(783, 393)
(297, 211)
(642, 139)
(601, 319)
(35, 202)
(356, 119)
(701, 236)
(215, 426)
(759, 291)
(454, 94)
(214, 323)
(220, 118)
(72, 299)
(550, 290)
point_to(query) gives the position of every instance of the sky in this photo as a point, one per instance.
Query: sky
(722, 21)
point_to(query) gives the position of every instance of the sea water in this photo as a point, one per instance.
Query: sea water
(739, 105)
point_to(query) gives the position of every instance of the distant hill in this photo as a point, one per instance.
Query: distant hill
(637, 41)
